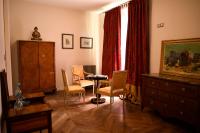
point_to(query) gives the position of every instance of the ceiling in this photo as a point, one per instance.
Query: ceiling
(84, 5)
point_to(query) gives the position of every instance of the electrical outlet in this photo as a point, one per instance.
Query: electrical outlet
(160, 25)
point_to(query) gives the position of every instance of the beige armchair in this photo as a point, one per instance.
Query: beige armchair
(78, 76)
(71, 89)
(117, 86)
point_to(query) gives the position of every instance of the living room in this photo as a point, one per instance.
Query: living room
(168, 20)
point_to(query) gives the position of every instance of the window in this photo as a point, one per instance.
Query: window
(124, 24)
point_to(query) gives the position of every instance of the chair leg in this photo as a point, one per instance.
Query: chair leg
(111, 99)
(64, 95)
(80, 95)
(93, 88)
(84, 97)
(97, 102)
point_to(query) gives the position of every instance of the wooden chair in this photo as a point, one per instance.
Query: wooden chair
(71, 89)
(78, 76)
(117, 86)
(4, 95)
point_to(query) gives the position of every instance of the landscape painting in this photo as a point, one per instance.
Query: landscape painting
(181, 57)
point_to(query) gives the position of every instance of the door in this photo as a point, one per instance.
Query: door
(47, 68)
(28, 66)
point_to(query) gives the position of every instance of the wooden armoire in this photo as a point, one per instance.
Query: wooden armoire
(36, 63)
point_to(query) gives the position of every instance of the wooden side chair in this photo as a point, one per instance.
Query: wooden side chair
(78, 76)
(71, 89)
(117, 86)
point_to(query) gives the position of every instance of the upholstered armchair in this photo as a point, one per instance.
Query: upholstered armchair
(116, 87)
(78, 76)
(71, 89)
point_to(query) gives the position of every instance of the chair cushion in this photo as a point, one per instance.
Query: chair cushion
(75, 89)
(107, 91)
(85, 83)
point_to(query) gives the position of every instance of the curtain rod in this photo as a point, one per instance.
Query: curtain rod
(125, 4)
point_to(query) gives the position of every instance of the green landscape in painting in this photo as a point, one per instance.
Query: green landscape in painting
(182, 57)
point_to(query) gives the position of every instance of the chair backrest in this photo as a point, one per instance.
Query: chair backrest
(78, 70)
(119, 80)
(65, 80)
(4, 94)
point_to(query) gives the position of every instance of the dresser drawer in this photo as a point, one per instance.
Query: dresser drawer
(150, 82)
(190, 117)
(151, 102)
(179, 88)
(184, 103)
(164, 96)
(151, 92)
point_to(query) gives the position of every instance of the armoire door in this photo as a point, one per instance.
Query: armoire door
(47, 66)
(28, 66)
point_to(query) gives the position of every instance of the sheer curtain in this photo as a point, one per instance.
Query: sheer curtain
(124, 23)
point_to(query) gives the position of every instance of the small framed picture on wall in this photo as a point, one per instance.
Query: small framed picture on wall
(86, 42)
(67, 41)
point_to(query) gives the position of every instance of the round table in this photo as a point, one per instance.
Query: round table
(98, 96)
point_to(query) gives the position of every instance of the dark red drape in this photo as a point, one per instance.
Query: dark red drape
(111, 59)
(137, 45)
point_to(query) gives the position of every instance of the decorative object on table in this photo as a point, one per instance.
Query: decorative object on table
(36, 34)
(19, 98)
(181, 58)
(86, 42)
(67, 41)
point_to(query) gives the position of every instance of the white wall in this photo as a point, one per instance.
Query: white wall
(181, 20)
(52, 22)
(2, 49)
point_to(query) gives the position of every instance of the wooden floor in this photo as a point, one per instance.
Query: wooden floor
(79, 117)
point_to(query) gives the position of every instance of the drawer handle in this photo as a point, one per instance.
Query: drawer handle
(181, 113)
(152, 83)
(152, 92)
(182, 101)
(151, 102)
(167, 84)
(183, 89)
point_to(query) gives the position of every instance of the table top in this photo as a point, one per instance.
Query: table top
(29, 96)
(97, 77)
(36, 108)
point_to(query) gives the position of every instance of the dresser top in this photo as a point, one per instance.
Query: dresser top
(173, 78)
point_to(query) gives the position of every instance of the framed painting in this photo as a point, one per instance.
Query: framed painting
(86, 42)
(67, 41)
(181, 58)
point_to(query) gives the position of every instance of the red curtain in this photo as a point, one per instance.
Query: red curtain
(111, 59)
(137, 45)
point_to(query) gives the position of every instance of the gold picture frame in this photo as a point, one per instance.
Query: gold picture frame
(181, 58)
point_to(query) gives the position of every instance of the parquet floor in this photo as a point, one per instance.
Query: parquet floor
(79, 117)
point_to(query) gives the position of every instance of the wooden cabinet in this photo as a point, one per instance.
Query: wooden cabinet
(36, 60)
(30, 118)
(172, 97)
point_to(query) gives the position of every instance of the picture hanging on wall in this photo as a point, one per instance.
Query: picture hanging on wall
(181, 58)
(67, 41)
(86, 42)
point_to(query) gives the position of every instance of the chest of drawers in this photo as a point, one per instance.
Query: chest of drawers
(172, 97)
